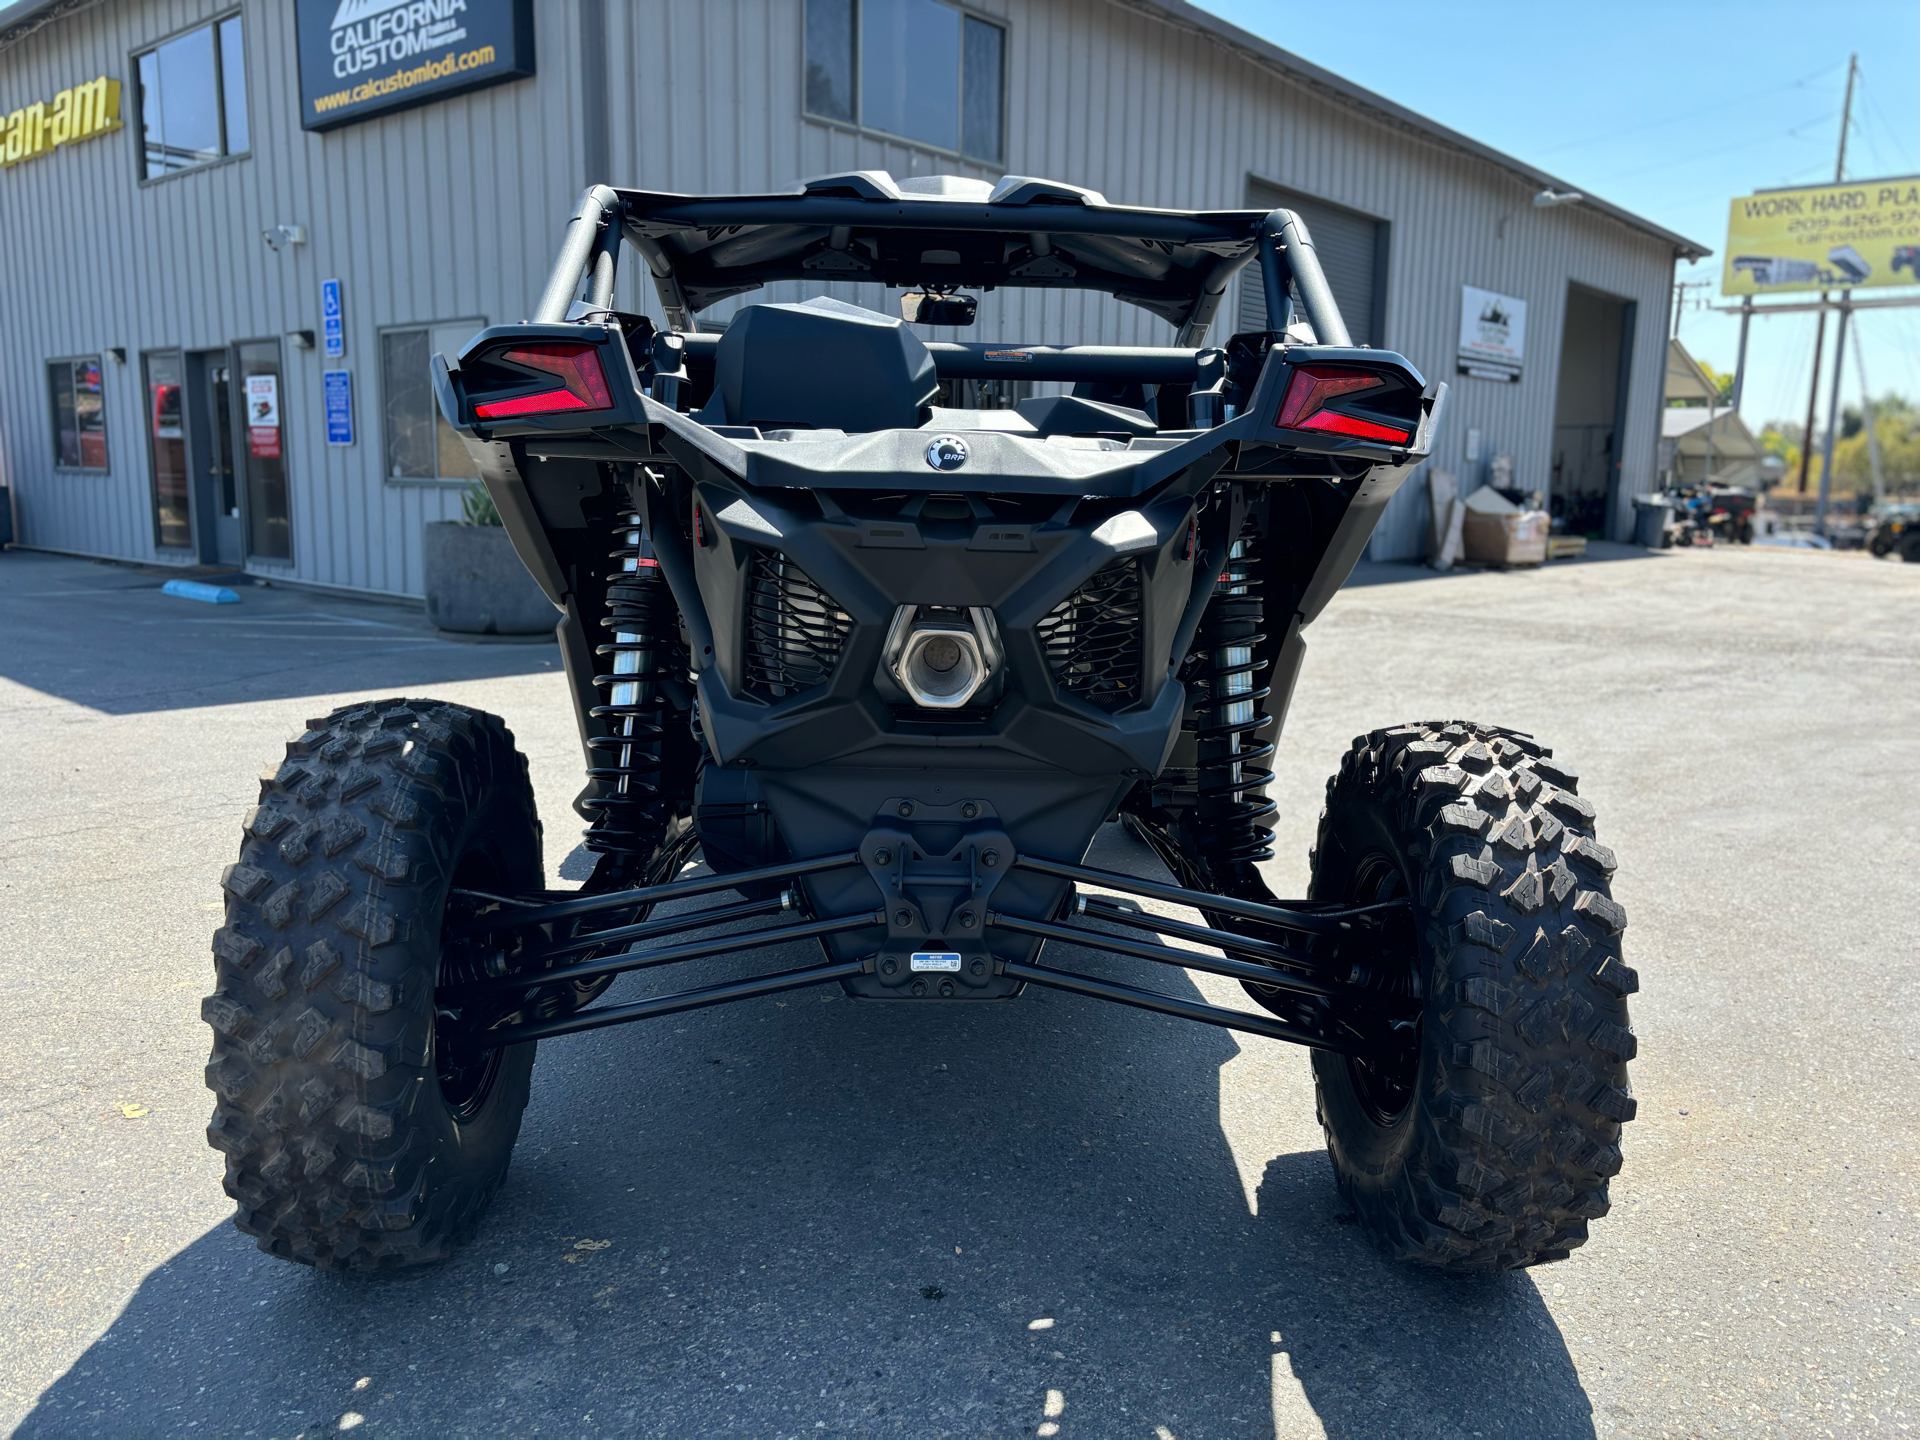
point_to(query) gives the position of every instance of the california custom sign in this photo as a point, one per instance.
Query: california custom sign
(362, 58)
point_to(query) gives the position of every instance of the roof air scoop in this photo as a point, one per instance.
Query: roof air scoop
(946, 187)
(857, 184)
(1029, 190)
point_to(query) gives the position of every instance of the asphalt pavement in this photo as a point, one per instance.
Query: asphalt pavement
(813, 1217)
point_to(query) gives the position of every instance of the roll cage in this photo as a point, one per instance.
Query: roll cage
(943, 233)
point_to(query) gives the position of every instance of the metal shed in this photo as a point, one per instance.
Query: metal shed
(160, 273)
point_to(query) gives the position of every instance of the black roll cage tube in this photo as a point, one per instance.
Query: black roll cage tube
(590, 255)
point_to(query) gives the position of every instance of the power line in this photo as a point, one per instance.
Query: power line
(1903, 153)
(1694, 157)
(1689, 114)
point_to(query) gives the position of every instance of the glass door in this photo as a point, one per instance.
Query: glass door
(210, 456)
(263, 449)
(167, 450)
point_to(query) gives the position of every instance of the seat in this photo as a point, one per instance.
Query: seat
(819, 363)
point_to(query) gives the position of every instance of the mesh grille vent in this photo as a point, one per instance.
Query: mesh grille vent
(1093, 638)
(795, 630)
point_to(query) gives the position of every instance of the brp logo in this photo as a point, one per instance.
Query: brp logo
(947, 452)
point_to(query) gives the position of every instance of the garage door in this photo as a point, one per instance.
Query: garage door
(1352, 249)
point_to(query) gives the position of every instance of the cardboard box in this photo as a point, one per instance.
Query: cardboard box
(1516, 538)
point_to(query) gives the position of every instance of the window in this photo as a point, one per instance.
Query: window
(420, 443)
(167, 454)
(193, 99)
(79, 417)
(264, 459)
(920, 70)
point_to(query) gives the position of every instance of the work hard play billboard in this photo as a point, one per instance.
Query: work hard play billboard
(362, 58)
(1829, 237)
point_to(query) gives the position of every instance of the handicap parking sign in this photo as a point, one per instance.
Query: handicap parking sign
(331, 323)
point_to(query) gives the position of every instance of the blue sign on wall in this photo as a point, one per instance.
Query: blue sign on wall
(362, 58)
(338, 387)
(332, 325)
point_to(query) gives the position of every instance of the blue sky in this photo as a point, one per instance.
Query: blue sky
(1665, 113)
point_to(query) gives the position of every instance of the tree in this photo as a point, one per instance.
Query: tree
(1898, 427)
(1783, 438)
(1723, 383)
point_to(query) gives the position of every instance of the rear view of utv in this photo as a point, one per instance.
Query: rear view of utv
(887, 662)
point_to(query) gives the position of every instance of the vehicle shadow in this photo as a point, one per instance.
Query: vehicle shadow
(811, 1217)
(105, 636)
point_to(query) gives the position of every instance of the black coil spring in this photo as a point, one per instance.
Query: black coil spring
(630, 815)
(1236, 826)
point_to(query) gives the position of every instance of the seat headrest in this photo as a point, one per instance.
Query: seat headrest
(821, 363)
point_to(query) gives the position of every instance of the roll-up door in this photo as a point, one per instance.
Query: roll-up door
(1353, 252)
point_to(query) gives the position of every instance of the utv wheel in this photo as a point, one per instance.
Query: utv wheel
(1483, 1136)
(356, 1133)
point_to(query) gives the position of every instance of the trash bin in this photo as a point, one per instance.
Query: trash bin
(1652, 515)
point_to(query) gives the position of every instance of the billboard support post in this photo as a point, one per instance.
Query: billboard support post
(1741, 352)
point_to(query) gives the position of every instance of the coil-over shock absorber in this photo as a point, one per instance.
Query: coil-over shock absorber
(1234, 817)
(630, 813)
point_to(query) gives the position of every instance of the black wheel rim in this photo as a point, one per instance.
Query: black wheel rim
(1384, 1079)
(466, 1072)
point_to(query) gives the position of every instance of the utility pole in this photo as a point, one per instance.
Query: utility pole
(1814, 392)
(1821, 324)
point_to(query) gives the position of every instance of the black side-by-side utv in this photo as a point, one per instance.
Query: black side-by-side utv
(886, 657)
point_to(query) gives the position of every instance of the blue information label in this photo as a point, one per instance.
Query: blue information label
(338, 387)
(332, 324)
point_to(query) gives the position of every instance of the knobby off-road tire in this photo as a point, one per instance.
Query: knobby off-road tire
(354, 1136)
(1488, 1141)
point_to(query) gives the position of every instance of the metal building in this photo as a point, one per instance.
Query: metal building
(200, 199)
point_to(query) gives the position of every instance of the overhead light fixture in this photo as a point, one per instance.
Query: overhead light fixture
(279, 235)
(302, 339)
(1551, 197)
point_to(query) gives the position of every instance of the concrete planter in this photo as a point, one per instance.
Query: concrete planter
(476, 585)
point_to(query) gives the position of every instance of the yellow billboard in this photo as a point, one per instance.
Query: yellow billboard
(1828, 237)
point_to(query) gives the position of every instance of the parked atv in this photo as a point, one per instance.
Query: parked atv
(1898, 533)
(1707, 514)
(888, 668)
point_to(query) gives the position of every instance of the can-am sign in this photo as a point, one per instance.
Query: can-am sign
(362, 58)
(76, 114)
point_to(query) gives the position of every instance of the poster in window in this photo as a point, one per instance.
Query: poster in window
(263, 416)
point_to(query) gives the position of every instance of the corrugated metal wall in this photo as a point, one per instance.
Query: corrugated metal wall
(449, 210)
(454, 209)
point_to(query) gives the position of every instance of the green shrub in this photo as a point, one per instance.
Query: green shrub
(478, 505)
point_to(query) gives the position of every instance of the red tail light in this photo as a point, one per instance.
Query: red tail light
(583, 383)
(1313, 386)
